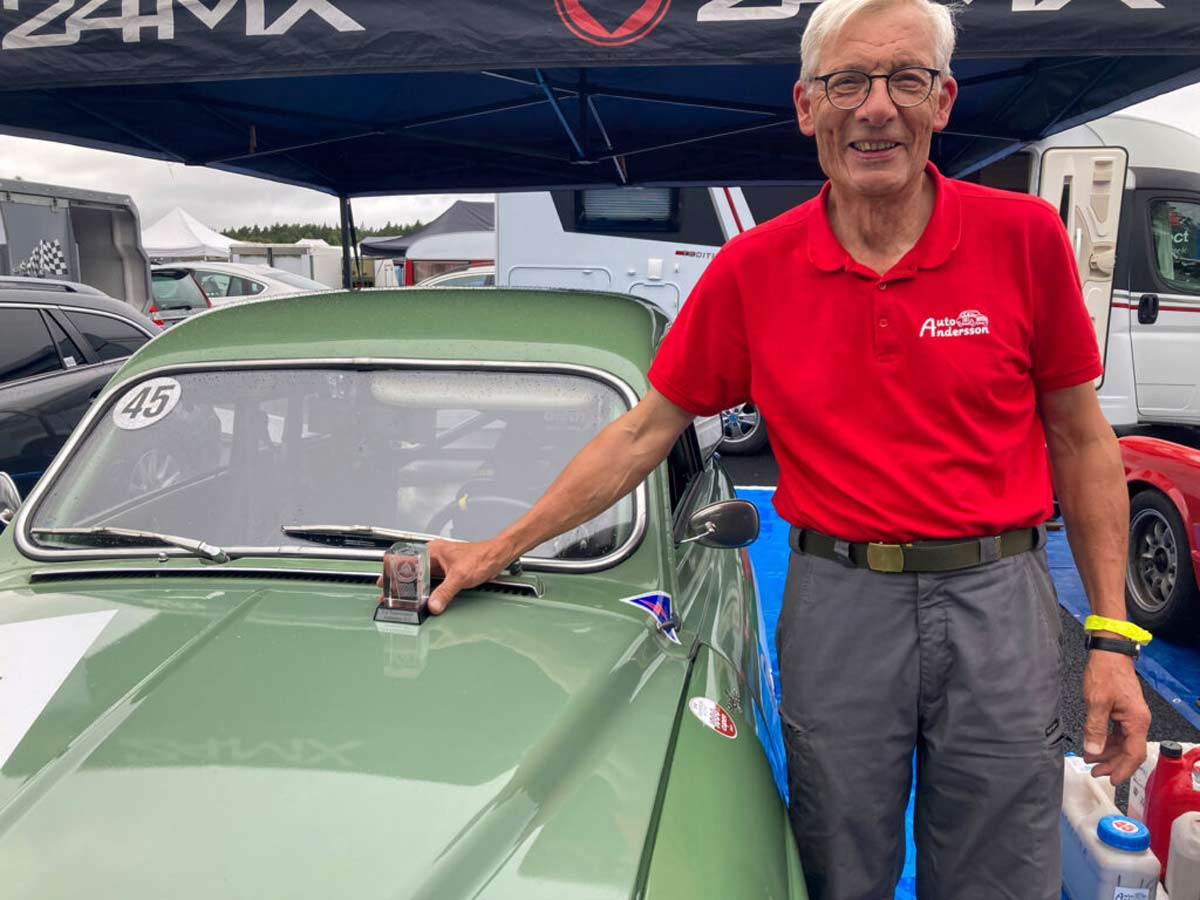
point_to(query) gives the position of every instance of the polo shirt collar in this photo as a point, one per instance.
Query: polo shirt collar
(938, 240)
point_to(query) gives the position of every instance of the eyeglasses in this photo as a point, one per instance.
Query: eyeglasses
(849, 89)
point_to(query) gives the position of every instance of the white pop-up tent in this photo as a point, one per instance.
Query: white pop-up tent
(178, 235)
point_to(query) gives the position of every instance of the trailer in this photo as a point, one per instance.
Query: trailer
(91, 237)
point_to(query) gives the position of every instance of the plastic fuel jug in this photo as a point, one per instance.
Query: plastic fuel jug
(1183, 867)
(1171, 791)
(1137, 784)
(1105, 855)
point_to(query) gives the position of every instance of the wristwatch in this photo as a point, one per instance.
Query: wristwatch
(1113, 645)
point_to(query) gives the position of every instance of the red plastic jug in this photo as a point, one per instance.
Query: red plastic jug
(1170, 793)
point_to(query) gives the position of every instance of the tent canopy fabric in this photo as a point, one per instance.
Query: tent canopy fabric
(361, 97)
(462, 216)
(179, 235)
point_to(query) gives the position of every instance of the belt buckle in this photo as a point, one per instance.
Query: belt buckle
(885, 557)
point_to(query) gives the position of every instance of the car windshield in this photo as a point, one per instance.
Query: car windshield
(298, 281)
(234, 456)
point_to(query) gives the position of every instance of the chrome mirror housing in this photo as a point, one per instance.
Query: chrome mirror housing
(726, 525)
(10, 499)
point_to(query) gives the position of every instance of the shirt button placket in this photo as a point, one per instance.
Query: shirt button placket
(885, 340)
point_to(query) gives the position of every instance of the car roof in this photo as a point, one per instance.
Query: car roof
(247, 269)
(48, 285)
(88, 302)
(490, 324)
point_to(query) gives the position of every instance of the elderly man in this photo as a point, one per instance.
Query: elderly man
(918, 345)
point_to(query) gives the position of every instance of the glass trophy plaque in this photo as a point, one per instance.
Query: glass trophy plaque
(405, 598)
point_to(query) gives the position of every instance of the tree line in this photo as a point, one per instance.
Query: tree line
(289, 233)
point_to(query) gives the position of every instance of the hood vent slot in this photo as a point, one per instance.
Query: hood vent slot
(532, 587)
(327, 576)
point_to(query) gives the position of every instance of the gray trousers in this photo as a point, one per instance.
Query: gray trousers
(962, 668)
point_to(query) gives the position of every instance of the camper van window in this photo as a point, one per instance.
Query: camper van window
(25, 347)
(627, 209)
(1175, 228)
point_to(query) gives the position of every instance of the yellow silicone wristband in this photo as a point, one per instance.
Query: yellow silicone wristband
(1118, 626)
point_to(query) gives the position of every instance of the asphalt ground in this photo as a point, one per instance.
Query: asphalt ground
(761, 470)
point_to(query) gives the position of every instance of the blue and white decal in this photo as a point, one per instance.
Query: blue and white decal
(658, 605)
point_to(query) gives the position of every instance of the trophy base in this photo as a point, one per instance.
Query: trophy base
(401, 616)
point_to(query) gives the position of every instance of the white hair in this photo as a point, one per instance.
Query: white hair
(832, 15)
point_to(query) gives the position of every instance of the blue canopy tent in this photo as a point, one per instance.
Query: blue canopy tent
(365, 97)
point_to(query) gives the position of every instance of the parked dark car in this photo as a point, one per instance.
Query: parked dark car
(58, 348)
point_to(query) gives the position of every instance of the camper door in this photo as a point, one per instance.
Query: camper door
(1086, 186)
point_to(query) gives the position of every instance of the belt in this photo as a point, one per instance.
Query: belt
(918, 556)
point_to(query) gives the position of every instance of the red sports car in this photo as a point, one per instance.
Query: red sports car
(1164, 535)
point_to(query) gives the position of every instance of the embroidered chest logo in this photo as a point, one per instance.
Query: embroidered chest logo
(970, 321)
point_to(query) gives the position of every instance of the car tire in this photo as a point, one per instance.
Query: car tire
(745, 431)
(1160, 583)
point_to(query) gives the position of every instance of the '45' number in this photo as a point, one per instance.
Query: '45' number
(152, 410)
(146, 403)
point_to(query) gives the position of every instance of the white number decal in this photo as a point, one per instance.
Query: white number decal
(733, 11)
(146, 403)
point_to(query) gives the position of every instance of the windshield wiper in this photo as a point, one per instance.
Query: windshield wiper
(137, 537)
(352, 535)
(369, 536)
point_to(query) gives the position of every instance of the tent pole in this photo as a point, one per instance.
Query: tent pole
(344, 207)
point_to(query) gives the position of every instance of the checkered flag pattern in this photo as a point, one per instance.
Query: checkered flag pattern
(46, 260)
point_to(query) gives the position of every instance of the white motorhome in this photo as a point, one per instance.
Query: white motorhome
(1128, 191)
(653, 243)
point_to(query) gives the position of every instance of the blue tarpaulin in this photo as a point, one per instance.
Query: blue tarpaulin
(1173, 670)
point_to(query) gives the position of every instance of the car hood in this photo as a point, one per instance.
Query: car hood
(269, 739)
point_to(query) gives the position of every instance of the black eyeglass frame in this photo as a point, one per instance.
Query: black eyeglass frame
(887, 78)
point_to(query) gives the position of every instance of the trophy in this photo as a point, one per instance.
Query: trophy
(405, 598)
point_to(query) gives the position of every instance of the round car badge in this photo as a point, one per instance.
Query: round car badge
(146, 403)
(713, 715)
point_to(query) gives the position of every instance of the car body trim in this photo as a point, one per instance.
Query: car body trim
(30, 549)
(529, 588)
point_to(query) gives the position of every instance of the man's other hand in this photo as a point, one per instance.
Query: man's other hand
(1111, 692)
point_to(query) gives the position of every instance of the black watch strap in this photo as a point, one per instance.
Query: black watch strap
(1113, 645)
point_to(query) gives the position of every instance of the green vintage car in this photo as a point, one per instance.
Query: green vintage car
(197, 702)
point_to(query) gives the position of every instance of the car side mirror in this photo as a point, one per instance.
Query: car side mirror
(727, 524)
(10, 499)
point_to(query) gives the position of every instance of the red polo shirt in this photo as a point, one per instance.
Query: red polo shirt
(901, 406)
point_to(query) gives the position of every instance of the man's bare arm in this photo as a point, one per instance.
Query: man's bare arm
(1090, 483)
(611, 465)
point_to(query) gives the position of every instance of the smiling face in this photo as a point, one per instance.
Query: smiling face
(878, 149)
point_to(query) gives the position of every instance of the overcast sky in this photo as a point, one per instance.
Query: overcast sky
(222, 200)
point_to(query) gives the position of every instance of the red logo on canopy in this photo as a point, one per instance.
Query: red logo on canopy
(584, 25)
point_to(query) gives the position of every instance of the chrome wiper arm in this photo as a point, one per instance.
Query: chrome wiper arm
(150, 538)
(339, 533)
